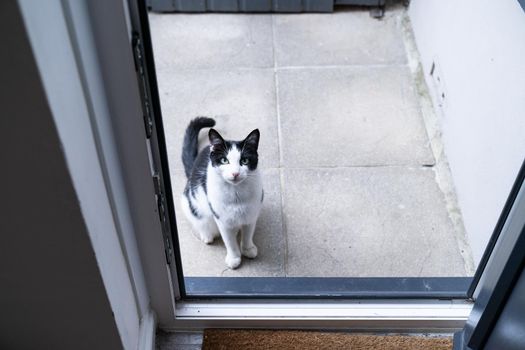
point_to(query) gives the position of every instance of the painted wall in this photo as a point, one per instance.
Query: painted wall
(479, 49)
(71, 272)
(52, 294)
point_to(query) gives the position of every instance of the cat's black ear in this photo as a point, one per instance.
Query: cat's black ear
(252, 140)
(216, 139)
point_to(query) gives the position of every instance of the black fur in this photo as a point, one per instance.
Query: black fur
(189, 197)
(195, 165)
(213, 211)
(191, 139)
(198, 174)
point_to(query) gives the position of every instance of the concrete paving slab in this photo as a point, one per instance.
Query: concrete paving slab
(178, 340)
(211, 40)
(351, 117)
(199, 259)
(357, 201)
(340, 38)
(239, 101)
(368, 222)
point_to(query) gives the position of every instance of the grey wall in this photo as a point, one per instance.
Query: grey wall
(478, 49)
(51, 291)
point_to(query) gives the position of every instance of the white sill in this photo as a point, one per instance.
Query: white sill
(364, 315)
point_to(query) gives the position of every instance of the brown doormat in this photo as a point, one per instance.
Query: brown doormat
(222, 339)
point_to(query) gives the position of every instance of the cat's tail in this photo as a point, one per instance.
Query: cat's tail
(191, 141)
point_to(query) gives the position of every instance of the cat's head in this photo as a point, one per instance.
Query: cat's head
(234, 160)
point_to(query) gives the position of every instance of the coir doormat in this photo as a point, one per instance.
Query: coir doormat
(223, 339)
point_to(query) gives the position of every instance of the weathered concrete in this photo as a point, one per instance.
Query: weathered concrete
(178, 340)
(368, 222)
(349, 180)
(211, 40)
(341, 38)
(351, 117)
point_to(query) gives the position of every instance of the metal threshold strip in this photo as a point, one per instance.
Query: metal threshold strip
(400, 315)
(327, 288)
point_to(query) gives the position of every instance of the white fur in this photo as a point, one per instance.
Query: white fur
(236, 202)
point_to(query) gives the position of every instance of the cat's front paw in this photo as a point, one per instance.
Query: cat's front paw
(250, 252)
(232, 262)
(207, 239)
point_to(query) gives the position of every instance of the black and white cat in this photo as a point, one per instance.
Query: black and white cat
(224, 192)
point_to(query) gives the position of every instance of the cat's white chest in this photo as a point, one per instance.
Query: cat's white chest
(239, 205)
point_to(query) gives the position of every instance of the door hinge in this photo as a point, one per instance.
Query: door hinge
(163, 216)
(140, 68)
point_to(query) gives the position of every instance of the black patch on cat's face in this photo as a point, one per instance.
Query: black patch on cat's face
(218, 147)
(248, 148)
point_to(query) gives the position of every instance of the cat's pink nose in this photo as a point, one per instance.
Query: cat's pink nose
(235, 175)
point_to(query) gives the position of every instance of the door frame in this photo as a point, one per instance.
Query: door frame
(406, 314)
(360, 288)
(504, 264)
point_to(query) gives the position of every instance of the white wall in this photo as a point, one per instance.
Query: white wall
(479, 48)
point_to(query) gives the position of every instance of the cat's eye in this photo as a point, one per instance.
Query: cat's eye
(244, 161)
(224, 160)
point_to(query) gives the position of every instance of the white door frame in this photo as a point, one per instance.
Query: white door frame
(148, 270)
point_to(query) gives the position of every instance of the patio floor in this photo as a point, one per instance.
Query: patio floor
(353, 186)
